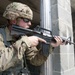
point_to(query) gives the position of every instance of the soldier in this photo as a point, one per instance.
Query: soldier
(12, 49)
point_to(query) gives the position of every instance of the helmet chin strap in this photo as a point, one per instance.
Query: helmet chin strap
(13, 21)
(10, 23)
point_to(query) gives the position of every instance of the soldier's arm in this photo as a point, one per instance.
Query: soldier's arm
(39, 58)
(10, 56)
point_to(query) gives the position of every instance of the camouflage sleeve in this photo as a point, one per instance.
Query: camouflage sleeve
(10, 56)
(39, 58)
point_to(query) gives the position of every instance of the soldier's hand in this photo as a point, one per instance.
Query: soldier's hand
(58, 41)
(35, 40)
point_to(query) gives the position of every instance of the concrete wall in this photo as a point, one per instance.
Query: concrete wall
(63, 56)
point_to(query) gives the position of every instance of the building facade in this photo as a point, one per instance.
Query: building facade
(61, 61)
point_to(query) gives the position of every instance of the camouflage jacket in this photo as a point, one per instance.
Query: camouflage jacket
(11, 57)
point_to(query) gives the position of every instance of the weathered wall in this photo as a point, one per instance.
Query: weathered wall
(63, 56)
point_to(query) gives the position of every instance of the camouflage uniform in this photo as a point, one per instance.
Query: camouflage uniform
(11, 57)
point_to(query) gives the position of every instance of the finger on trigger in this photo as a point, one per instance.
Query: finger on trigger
(42, 40)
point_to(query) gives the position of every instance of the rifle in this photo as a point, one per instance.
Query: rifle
(40, 32)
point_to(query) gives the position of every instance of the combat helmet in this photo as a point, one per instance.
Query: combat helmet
(16, 9)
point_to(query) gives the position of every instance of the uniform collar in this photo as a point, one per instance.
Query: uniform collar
(8, 35)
